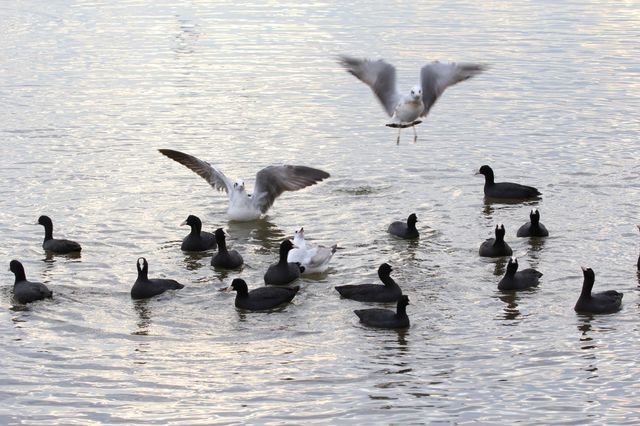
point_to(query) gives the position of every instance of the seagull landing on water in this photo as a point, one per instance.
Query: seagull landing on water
(405, 111)
(270, 183)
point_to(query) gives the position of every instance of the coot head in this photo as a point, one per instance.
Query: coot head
(143, 267)
(384, 270)
(487, 172)
(240, 286)
(192, 221)
(45, 221)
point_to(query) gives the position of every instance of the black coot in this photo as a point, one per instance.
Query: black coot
(197, 240)
(596, 303)
(261, 298)
(283, 272)
(518, 280)
(26, 291)
(54, 245)
(144, 287)
(389, 292)
(533, 228)
(496, 247)
(406, 230)
(505, 190)
(385, 318)
(227, 259)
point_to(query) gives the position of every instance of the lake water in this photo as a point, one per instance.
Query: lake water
(90, 90)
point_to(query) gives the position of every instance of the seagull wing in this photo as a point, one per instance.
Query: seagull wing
(378, 75)
(215, 177)
(437, 76)
(274, 180)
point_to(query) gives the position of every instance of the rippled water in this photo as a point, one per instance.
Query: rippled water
(90, 90)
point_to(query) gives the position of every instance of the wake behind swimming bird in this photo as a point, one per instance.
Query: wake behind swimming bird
(314, 259)
(271, 182)
(405, 110)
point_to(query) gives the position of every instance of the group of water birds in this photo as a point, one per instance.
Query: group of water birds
(299, 257)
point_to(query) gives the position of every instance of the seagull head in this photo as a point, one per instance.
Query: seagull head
(416, 92)
(239, 185)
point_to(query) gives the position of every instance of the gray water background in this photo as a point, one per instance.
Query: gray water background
(90, 90)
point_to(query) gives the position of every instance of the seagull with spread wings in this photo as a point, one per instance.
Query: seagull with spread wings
(406, 110)
(270, 183)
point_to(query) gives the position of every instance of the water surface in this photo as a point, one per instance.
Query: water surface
(90, 91)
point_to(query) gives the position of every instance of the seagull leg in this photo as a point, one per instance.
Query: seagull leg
(398, 140)
(415, 135)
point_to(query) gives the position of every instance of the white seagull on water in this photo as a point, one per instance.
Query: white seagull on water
(405, 111)
(270, 183)
(315, 259)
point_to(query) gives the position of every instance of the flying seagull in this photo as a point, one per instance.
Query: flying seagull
(406, 111)
(270, 183)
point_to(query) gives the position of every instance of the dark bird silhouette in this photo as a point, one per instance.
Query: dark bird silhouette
(596, 303)
(407, 230)
(389, 292)
(227, 259)
(54, 245)
(283, 272)
(25, 291)
(197, 240)
(505, 190)
(261, 298)
(533, 228)
(496, 247)
(385, 318)
(144, 287)
(518, 280)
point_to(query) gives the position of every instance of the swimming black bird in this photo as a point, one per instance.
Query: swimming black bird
(26, 291)
(407, 230)
(283, 272)
(197, 240)
(385, 318)
(533, 228)
(505, 190)
(227, 259)
(605, 302)
(518, 280)
(496, 247)
(55, 245)
(144, 287)
(389, 292)
(638, 255)
(261, 298)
